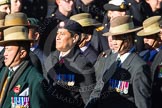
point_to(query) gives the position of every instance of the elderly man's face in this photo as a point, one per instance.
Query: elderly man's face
(13, 56)
(64, 40)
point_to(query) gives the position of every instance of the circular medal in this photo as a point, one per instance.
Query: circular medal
(72, 83)
(69, 83)
(125, 91)
(117, 90)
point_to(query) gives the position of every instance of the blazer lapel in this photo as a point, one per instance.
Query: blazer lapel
(110, 67)
(128, 60)
(3, 78)
(155, 63)
(17, 74)
(6, 87)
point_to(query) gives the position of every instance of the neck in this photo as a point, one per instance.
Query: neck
(65, 13)
(63, 54)
(87, 2)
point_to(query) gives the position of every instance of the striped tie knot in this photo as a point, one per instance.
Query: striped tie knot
(118, 62)
(10, 72)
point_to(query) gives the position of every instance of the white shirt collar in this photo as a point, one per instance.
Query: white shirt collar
(15, 67)
(123, 57)
(85, 47)
(1, 48)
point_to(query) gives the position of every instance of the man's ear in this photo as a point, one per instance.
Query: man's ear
(57, 2)
(88, 37)
(36, 36)
(147, 1)
(23, 53)
(75, 38)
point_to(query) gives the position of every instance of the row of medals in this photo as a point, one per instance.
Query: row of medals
(119, 85)
(20, 102)
(67, 79)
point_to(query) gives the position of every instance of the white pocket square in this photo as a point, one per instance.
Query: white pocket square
(25, 92)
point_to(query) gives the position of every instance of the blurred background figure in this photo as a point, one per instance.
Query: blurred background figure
(139, 11)
(156, 6)
(2, 18)
(5, 6)
(35, 8)
(94, 7)
(16, 6)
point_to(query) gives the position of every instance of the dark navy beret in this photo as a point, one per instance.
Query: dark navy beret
(71, 26)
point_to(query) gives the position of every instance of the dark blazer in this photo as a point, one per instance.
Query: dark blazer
(36, 61)
(91, 54)
(75, 64)
(157, 81)
(137, 73)
(26, 76)
(98, 41)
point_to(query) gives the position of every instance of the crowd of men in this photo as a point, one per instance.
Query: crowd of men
(87, 54)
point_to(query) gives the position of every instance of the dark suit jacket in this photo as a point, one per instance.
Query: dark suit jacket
(36, 61)
(74, 63)
(157, 82)
(91, 54)
(26, 76)
(139, 80)
(98, 41)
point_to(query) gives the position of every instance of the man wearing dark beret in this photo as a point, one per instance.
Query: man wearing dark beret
(70, 74)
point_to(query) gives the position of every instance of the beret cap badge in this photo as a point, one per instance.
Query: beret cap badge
(123, 6)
